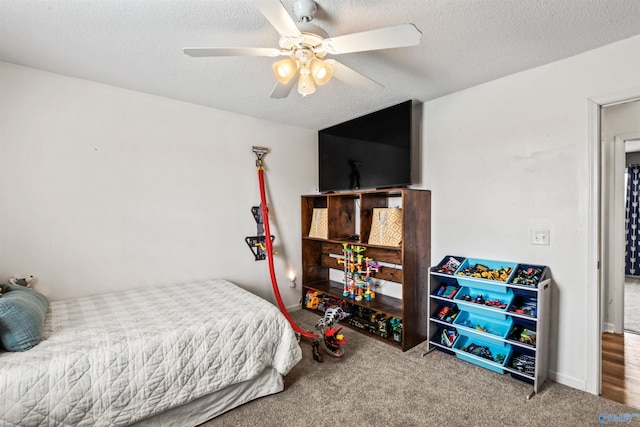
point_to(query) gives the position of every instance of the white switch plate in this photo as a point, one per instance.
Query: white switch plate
(539, 237)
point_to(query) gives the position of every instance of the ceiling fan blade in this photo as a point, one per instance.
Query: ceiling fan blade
(382, 38)
(231, 51)
(281, 91)
(352, 77)
(278, 16)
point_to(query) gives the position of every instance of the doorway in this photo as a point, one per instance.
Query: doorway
(619, 127)
(631, 291)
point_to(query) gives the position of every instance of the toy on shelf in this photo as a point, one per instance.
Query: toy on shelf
(448, 336)
(525, 306)
(483, 272)
(523, 335)
(450, 266)
(480, 300)
(312, 299)
(371, 321)
(447, 313)
(528, 336)
(357, 273)
(524, 363)
(447, 291)
(327, 302)
(484, 352)
(527, 276)
(396, 326)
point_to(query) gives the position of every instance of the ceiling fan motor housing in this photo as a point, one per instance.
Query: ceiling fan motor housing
(305, 10)
(311, 38)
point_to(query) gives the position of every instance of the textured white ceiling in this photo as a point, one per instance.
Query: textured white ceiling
(137, 44)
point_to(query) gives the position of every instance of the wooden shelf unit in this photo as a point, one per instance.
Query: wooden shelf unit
(345, 210)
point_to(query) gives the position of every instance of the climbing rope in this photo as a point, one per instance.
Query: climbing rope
(269, 245)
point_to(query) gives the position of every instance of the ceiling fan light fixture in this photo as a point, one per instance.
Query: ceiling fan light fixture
(305, 46)
(321, 71)
(306, 86)
(285, 70)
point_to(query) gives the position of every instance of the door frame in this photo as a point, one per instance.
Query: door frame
(594, 234)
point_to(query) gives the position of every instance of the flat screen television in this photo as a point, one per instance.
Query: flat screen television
(372, 151)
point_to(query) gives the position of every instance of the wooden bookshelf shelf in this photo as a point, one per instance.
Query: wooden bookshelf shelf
(406, 264)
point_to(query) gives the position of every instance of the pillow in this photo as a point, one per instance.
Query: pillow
(22, 312)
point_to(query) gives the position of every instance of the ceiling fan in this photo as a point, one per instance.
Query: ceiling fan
(306, 45)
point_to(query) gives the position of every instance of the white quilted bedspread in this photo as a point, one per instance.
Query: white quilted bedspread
(118, 358)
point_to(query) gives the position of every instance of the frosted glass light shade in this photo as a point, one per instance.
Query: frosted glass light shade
(306, 85)
(285, 70)
(321, 71)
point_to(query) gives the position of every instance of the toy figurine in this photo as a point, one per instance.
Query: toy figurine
(332, 339)
(313, 300)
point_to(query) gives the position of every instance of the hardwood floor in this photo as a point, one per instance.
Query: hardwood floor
(621, 368)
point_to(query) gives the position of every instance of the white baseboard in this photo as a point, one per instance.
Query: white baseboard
(567, 380)
(293, 308)
(608, 327)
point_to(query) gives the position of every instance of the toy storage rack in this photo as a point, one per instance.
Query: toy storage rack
(497, 338)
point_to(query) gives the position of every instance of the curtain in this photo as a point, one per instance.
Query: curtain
(632, 220)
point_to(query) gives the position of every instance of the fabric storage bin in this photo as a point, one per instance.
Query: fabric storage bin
(491, 265)
(529, 275)
(445, 312)
(319, 223)
(448, 265)
(523, 332)
(522, 361)
(523, 303)
(386, 227)
(447, 280)
(500, 353)
(445, 336)
(481, 324)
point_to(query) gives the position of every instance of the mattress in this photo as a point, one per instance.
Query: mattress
(118, 358)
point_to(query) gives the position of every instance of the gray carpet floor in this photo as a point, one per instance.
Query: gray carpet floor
(375, 384)
(632, 305)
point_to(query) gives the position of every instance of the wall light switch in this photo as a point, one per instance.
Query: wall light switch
(539, 237)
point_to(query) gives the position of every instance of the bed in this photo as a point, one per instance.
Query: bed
(176, 355)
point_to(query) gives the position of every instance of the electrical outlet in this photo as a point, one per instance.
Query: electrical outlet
(539, 237)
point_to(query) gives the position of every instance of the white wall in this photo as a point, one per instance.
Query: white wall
(104, 189)
(512, 154)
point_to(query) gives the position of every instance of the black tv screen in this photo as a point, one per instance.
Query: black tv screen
(372, 151)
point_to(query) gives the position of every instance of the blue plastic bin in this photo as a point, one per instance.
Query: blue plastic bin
(471, 322)
(490, 264)
(488, 295)
(463, 341)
